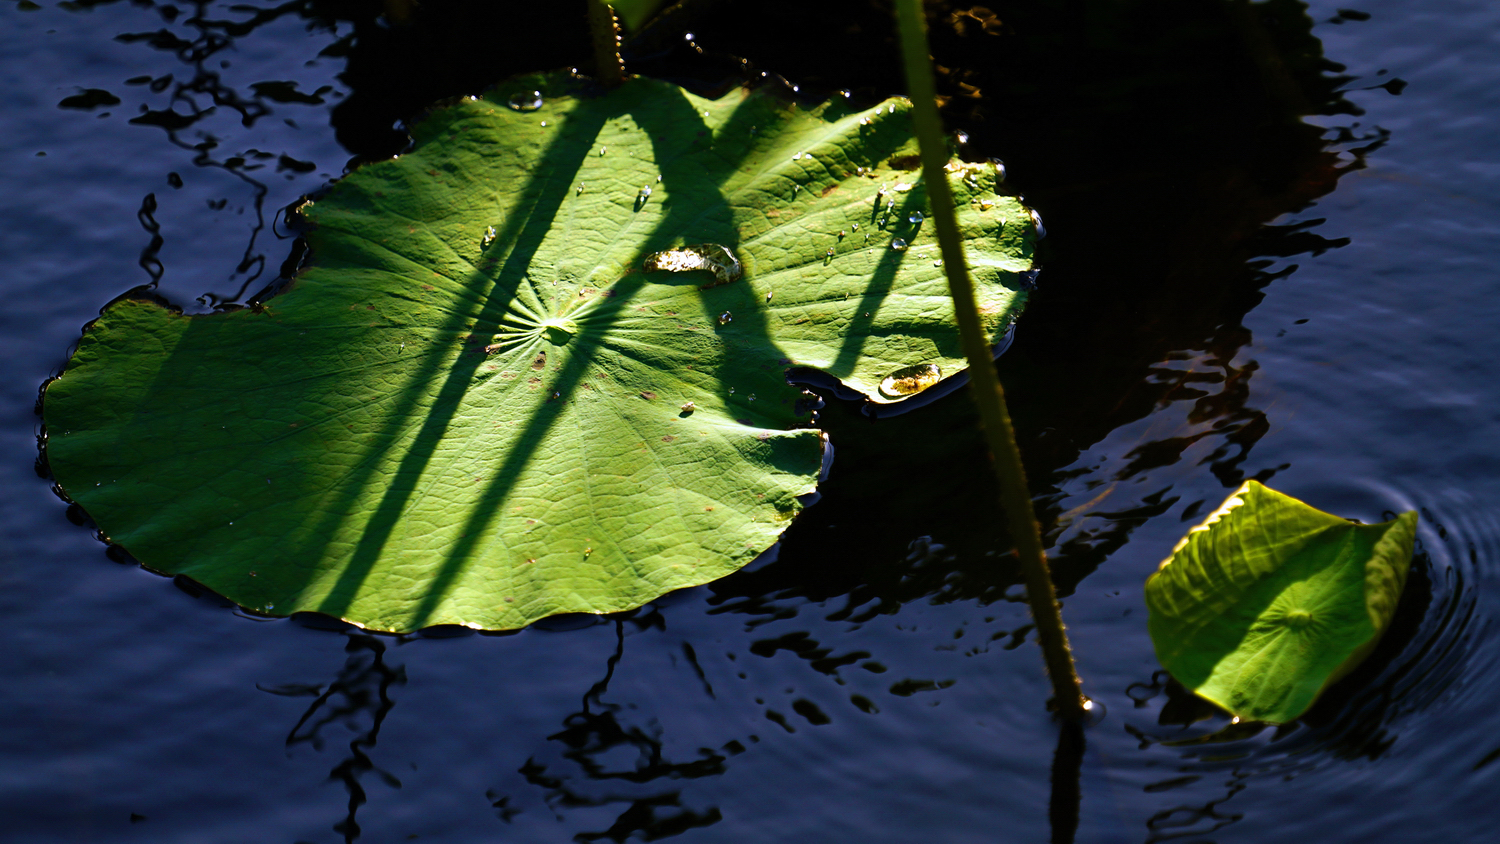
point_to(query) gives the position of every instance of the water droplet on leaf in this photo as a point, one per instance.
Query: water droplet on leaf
(915, 218)
(526, 101)
(703, 256)
(726, 318)
(911, 380)
(898, 244)
(489, 237)
(1036, 223)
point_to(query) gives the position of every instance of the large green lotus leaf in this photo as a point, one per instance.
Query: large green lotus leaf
(475, 406)
(1269, 601)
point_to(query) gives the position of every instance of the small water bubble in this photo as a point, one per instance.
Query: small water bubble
(726, 318)
(544, 124)
(903, 187)
(864, 121)
(898, 244)
(999, 169)
(795, 188)
(985, 205)
(882, 221)
(768, 295)
(658, 178)
(270, 607)
(489, 237)
(602, 151)
(910, 380)
(893, 108)
(855, 227)
(751, 397)
(961, 136)
(731, 391)
(579, 190)
(915, 218)
(705, 114)
(846, 93)
(829, 253)
(796, 156)
(645, 192)
(526, 101)
(1036, 223)
(938, 262)
(842, 234)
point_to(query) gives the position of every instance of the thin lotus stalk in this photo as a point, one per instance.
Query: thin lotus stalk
(605, 29)
(986, 390)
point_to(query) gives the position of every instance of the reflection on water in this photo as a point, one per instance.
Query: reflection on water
(600, 758)
(359, 699)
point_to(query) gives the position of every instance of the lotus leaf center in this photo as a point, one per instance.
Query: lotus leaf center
(559, 330)
(1298, 619)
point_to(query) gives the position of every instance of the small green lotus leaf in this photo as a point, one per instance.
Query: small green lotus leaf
(536, 365)
(1269, 601)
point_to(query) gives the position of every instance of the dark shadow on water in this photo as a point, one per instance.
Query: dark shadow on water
(358, 700)
(578, 771)
(1067, 790)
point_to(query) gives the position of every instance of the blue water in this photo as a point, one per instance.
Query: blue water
(866, 686)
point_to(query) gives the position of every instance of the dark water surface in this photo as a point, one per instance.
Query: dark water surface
(1227, 296)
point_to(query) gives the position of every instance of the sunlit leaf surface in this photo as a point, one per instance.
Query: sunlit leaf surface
(478, 406)
(1269, 601)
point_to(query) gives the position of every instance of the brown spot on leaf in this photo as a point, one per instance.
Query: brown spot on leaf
(648, 395)
(540, 362)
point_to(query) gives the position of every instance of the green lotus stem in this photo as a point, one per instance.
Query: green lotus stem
(987, 392)
(606, 35)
